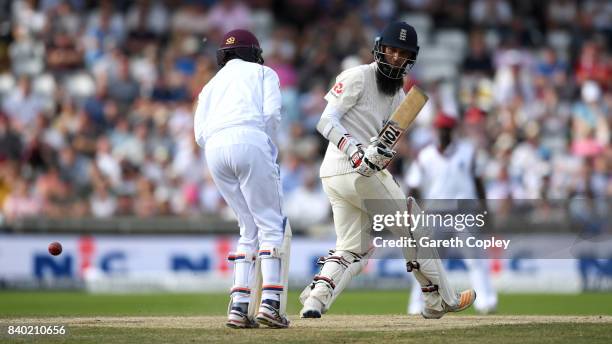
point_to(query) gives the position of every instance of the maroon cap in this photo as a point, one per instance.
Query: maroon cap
(445, 121)
(239, 38)
(474, 115)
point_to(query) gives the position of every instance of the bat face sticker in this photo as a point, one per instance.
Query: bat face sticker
(390, 134)
(402, 117)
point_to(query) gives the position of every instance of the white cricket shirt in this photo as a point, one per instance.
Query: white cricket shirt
(364, 110)
(241, 94)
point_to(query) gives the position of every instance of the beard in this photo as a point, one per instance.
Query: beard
(387, 85)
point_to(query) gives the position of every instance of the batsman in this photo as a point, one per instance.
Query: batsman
(357, 112)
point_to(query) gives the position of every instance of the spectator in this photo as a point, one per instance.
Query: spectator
(145, 205)
(108, 166)
(528, 165)
(22, 105)
(189, 164)
(190, 18)
(123, 89)
(20, 203)
(84, 140)
(63, 54)
(10, 141)
(478, 59)
(292, 173)
(310, 193)
(74, 169)
(551, 68)
(599, 13)
(227, 15)
(105, 29)
(210, 199)
(205, 70)
(52, 191)
(95, 105)
(502, 187)
(9, 173)
(150, 16)
(144, 68)
(101, 202)
(593, 65)
(312, 105)
(67, 122)
(65, 19)
(491, 13)
(561, 13)
(132, 148)
(513, 79)
(590, 131)
(27, 54)
(170, 88)
(26, 14)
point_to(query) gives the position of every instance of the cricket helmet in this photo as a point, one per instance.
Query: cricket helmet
(241, 44)
(399, 35)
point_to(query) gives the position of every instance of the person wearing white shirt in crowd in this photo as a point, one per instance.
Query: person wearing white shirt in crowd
(307, 205)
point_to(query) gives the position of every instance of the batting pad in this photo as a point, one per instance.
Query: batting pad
(284, 254)
(243, 262)
(353, 270)
(430, 271)
(241, 287)
(337, 271)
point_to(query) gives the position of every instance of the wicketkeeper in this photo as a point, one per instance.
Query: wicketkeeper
(236, 120)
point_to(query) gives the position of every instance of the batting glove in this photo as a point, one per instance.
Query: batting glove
(378, 154)
(360, 165)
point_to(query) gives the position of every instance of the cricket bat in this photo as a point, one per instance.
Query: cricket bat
(402, 117)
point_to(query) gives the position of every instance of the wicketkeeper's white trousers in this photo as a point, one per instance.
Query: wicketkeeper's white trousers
(243, 165)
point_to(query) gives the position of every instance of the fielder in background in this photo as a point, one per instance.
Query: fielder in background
(236, 120)
(447, 170)
(358, 105)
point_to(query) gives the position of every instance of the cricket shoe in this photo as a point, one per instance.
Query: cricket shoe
(237, 318)
(313, 308)
(270, 316)
(466, 299)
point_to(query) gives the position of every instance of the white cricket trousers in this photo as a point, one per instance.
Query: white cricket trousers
(352, 218)
(355, 199)
(242, 162)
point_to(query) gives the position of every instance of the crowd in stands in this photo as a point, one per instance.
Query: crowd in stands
(97, 97)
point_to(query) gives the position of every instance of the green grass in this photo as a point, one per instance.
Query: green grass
(48, 304)
(14, 305)
(499, 334)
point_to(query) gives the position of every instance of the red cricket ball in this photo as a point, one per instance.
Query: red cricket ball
(55, 248)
